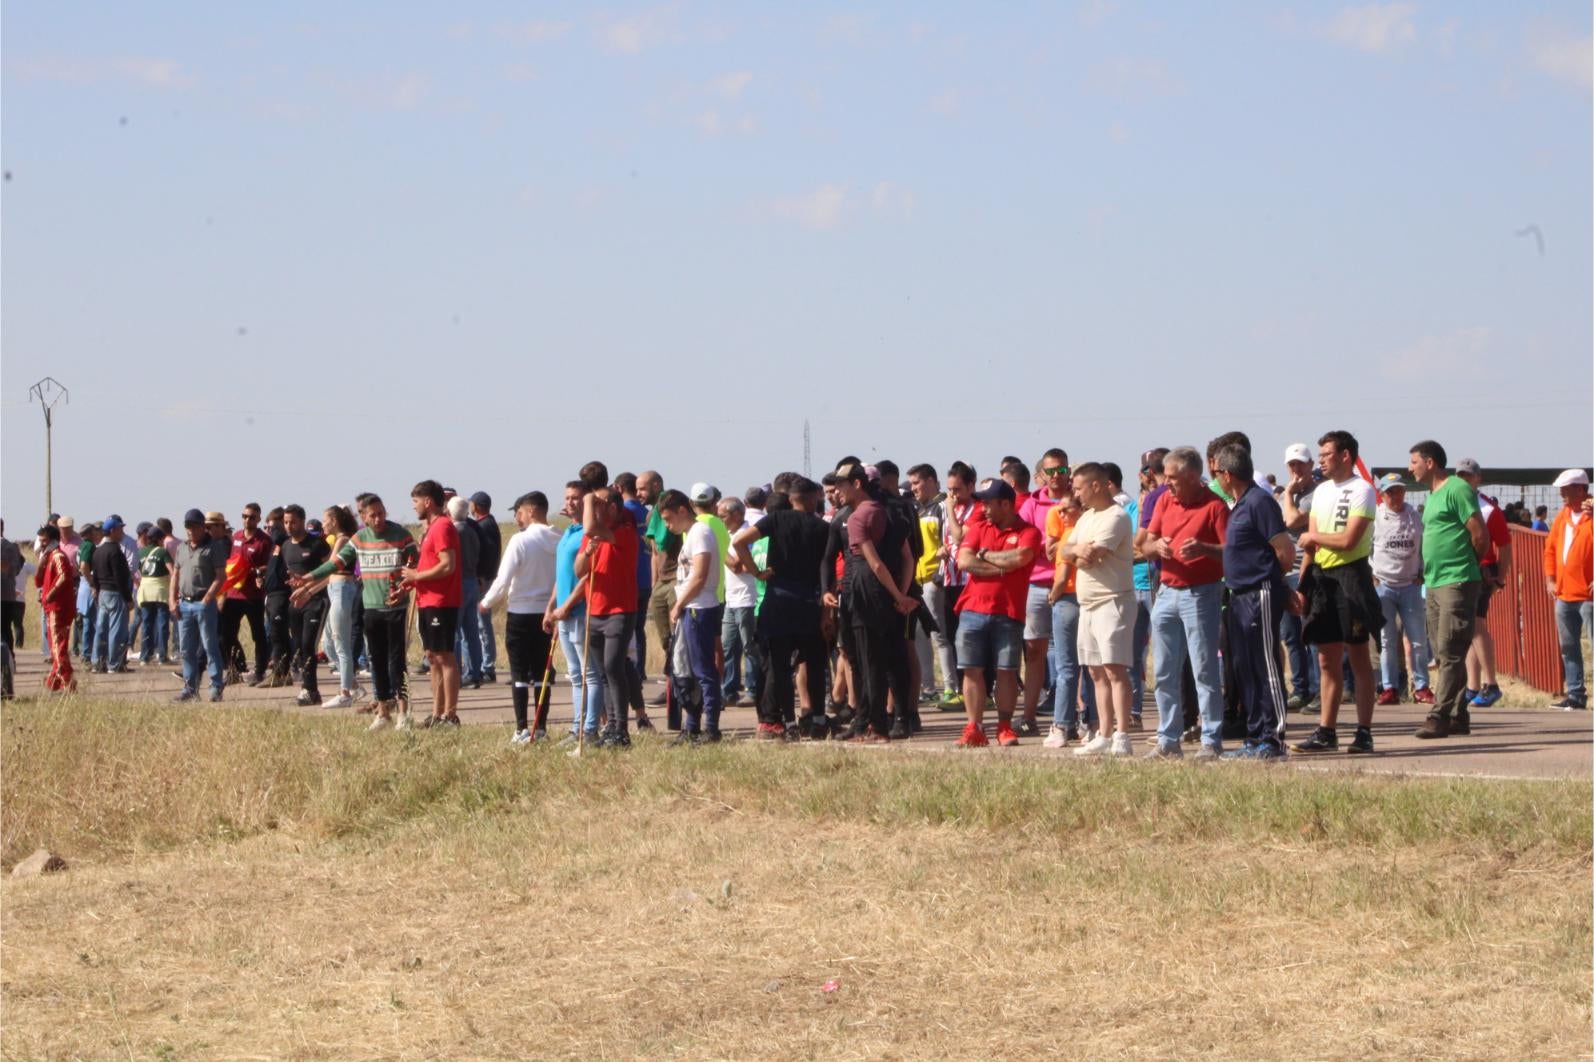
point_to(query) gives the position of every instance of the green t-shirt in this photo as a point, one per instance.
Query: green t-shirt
(154, 562)
(666, 543)
(380, 556)
(760, 552)
(1447, 554)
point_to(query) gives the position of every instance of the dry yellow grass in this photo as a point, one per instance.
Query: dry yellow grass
(449, 897)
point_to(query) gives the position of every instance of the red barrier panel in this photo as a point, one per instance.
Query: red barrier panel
(1522, 617)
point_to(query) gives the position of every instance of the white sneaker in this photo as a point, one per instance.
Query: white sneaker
(381, 722)
(522, 737)
(358, 694)
(1056, 738)
(404, 722)
(342, 700)
(1090, 735)
(1121, 745)
(1096, 746)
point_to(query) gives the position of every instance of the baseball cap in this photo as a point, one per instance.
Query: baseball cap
(1572, 477)
(1391, 481)
(193, 516)
(1146, 459)
(111, 523)
(995, 490)
(144, 527)
(702, 493)
(66, 523)
(215, 517)
(1297, 452)
(482, 500)
(1470, 466)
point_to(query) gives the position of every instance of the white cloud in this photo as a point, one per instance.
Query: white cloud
(822, 208)
(889, 200)
(712, 123)
(141, 70)
(1135, 79)
(733, 84)
(1567, 58)
(1374, 28)
(1460, 355)
(636, 33)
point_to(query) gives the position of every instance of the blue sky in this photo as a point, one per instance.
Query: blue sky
(294, 252)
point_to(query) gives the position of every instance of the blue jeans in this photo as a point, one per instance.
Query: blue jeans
(700, 627)
(1184, 622)
(589, 676)
(1574, 621)
(340, 621)
(1137, 669)
(1303, 660)
(489, 642)
(1406, 603)
(110, 630)
(199, 634)
(87, 614)
(157, 621)
(741, 652)
(468, 642)
(1065, 654)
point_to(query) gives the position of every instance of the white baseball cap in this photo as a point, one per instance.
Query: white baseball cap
(702, 494)
(1297, 452)
(1572, 477)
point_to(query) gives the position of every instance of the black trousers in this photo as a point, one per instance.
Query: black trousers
(233, 612)
(384, 652)
(530, 648)
(611, 641)
(880, 670)
(1252, 621)
(306, 623)
(11, 637)
(782, 654)
(281, 637)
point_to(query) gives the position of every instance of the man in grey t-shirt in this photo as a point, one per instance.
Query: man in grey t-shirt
(1397, 570)
(198, 569)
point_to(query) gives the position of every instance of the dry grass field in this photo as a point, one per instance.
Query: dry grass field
(254, 884)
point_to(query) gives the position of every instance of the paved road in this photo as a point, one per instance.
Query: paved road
(1505, 742)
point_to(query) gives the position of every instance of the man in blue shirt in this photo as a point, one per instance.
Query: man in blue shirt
(1257, 551)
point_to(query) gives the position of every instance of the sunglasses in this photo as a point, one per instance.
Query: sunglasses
(1055, 470)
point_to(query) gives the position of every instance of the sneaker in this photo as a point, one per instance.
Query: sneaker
(950, 702)
(539, 735)
(614, 739)
(657, 700)
(1056, 738)
(1468, 695)
(306, 698)
(1071, 735)
(256, 679)
(1191, 736)
(900, 731)
(1136, 724)
(1388, 696)
(1096, 746)
(489, 678)
(381, 722)
(186, 695)
(1322, 740)
(973, 737)
(450, 721)
(1208, 754)
(1570, 703)
(1296, 703)
(1159, 751)
(215, 696)
(1027, 728)
(522, 737)
(1121, 745)
(770, 732)
(1362, 743)
(405, 721)
(1423, 696)
(712, 735)
(644, 725)
(120, 669)
(342, 700)
(689, 739)
(569, 741)
(1261, 754)
(1005, 736)
(1487, 697)
(1461, 723)
(1435, 726)
(1313, 706)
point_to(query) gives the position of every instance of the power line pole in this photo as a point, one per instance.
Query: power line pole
(808, 469)
(49, 391)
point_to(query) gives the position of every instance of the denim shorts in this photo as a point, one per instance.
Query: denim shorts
(984, 640)
(1038, 613)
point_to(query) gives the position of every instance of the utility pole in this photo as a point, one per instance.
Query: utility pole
(808, 469)
(49, 391)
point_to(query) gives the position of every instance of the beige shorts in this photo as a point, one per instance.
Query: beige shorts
(1106, 631)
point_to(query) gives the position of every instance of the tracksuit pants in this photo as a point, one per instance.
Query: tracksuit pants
(1252, 620)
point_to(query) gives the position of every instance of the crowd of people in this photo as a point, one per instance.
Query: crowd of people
(841, 608)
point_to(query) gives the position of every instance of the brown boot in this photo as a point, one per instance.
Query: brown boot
(1435, 726)
(1461, 724)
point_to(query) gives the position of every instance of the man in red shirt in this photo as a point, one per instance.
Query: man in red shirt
(1186, 536)
(246, 598)
(609, 558)
(1482, 684)
(57, 583)
(997, 555)
(438, 593)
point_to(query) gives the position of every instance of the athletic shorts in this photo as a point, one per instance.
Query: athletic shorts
(1107, 631)
(1038, 614)
(438, 628)
(1491, 572)
(984, 640)
(1341, 604)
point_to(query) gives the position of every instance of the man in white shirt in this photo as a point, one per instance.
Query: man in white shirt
(698, 611)
(737, 631)
(526, 576)
(1397, 568)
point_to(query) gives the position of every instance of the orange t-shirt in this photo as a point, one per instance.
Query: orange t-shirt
(1059, 524)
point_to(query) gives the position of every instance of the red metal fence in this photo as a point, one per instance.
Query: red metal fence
(1522, 617)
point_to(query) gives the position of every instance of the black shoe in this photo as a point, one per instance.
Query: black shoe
(658, 700)
(687, 739)
(489, 678)
(443, 721)
(614, 739)
(1461, 723)
(1192, 736)
(121, 669)
(1024, 728)
(257, 679)
(712, 735)
(916, 725)
(98, 670)
(900, 730)
(186, 695)
(1322, 740)
(644, 724)
(1363, 742)
(215, 696)
(1570, 704)
(1071, 735)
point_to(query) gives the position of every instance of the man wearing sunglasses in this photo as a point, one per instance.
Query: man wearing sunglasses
(1040, 617)
(246, 596)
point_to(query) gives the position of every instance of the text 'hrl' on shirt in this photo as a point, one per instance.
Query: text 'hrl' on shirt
(1112, 574)
(1447, 554)
(999, 595)
(1204, 519)
(699, 552)
(1249, 561)
(1333, 506)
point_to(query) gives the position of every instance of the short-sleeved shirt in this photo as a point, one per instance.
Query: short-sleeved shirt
(665, 542)
(1248, 558)
(197, 567)
(1333, 505)
(866, 524)
(564, 572)
(441, 534)
(1036, 511)
(252, 549)
(1113, 573)
(1447, 555)
(1060, 523)
(700, 549)
(1498, 527)
(1397, 546)
(999, 595)
(796, 547)
(613, 574)
(1205, 520)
